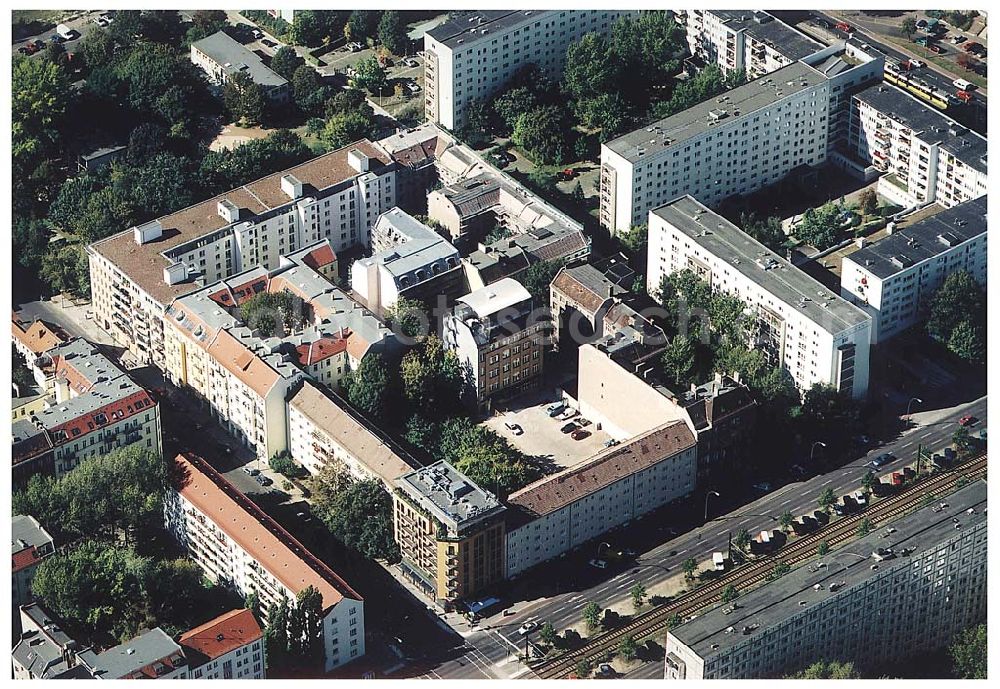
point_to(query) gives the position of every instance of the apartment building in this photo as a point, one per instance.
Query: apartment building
(415, 150)
(231, 646)
(886, 597)
(151, 655)
(324, 431)
(619, 389)
(560, 512)
(472, 55)
(815, 335)
(136, 274)
(32, 339)
(410, 260)
(893, 278)
(500, 337)
(30, 543)
(42, 649)
(97, 408)
(245, 375)
(926, 156)
(751, 40)
(450, 533)
(236, 542)
(222, 58)
(748, 138)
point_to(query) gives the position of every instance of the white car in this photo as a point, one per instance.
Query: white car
(527, 628)
(917, 64)
(599, 564)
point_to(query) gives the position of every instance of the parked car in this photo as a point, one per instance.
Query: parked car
(881, 460)
(527, 628)
(917, 64)
(958, 40)
(610, 442)
(412, 87)
(263, 480)
(580, 434)
(514, 428)
(554, 409)
(763, 487)
(599, 564)
(921, 23)
(39, 44)
(569, 413)
(935, 48)
(583, 422)
(606, 670)
(251, 471)
(569, 428)
(56, 38)
(257, 33)
(968, 420)
(268, 42)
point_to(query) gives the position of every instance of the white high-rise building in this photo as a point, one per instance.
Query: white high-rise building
(737, 143)
(809, 331)
(892, 279)
(474, 53)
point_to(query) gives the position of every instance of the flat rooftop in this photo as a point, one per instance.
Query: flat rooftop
(449, 494)
(923, 239)
(928, 124)
(848, 566)
(235, 57)
(729, 243)
(738, 102)
(788, 41)
(469, 26)
(143, 264)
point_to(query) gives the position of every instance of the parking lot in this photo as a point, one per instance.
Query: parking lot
(541, 435)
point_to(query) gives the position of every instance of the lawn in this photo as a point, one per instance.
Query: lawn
(950, 67)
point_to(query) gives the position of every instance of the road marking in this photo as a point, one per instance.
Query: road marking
(785, 502)
(829, 480)
(620, 587)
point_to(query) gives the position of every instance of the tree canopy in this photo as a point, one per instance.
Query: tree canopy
(358, 513)
(968, 653)
(957, 316)
(823, 669)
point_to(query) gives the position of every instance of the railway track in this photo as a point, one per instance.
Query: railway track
(747, 576)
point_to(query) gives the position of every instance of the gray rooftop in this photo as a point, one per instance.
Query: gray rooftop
(449, 495)
(41, 652)
(791, 43)
(740, 101)
(234, 57)
(132, 656)
(773, 273)
(923, 240)
(928, 124)
(847, 566)
(495, 297)
(420, 248)
(25, 532)
(466, 27)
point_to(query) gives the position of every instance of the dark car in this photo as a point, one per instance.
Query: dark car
(39, 44)
(569, 428)
(268, 42)
(263, 480)
(580, 434)
(968, 420)
(881, 460)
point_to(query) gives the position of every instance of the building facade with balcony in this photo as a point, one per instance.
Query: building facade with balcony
(238, 545)
(894, 278)
(500, 337)
(136, 274)
(814, 334)
(450, 533)
(926, 156)
(882, 598)
(474, 53)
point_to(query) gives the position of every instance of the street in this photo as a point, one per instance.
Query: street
(83, 25)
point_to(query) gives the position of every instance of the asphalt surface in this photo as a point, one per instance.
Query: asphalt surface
(487, 647)
(972, 115)
(82, 25)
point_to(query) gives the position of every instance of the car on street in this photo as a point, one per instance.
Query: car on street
(881, 460)
(257, 33)
(599, 564)
(580, 434)
(958, 39)
(268, 42)
(610, 442)
(569, 428)
(412, 87)
(968, 420)
(251, 471)
(917, 64)
(921, 23)
(606, 670)
(514, 428)
(763, 487)
(263, 480)
(629, 552)
(527, 628)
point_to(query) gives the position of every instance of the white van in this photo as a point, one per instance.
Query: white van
(962, 84)
(65, 32)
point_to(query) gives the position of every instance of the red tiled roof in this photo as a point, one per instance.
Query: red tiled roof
(237, 295)
(320, 257)
(24, 558)
(225, 633)
(113, 412)
(256, 532)
(311, 352)
(39, 337)
(555, 492)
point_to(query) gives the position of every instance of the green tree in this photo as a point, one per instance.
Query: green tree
(548, 634)
(957, 316)
(31, 240)
(638, 594)
(392, 32)
(868, 202)
(823, 548)
(678, 359)
(820, 227)
(365, 387)
(244, 99)
(433, 377)
(543, 181)
(690, 566)
(408, 317)
(371, 76)
(65, 269)
(97, 48)
(780, 570)
(358, 513)
(541, 133)
(864, 528)
(252, 603)
(592, 616)
(826, 499)
(823, 669)
(583, 668)
(868, 482)
(40, 95)
(646, 48)
(537, 278)
(274, 313)
(513, 103)
(628, 648)
(590, 73)
(962, 440)
(360, 25)
(767, 231)
(306, 85)
(309, 608)
(276, 631)
(729, 594)
(968, 653)
(286, 61)
(968, 342)
(742, 540)
(908, 27)
(635, 240)
(345, 128)
(283, 463)
(786, 519)
(307, 29)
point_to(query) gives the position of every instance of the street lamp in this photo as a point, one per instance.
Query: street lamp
(602, 545)
(812, 450)
(909, 405)
(711, 492)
